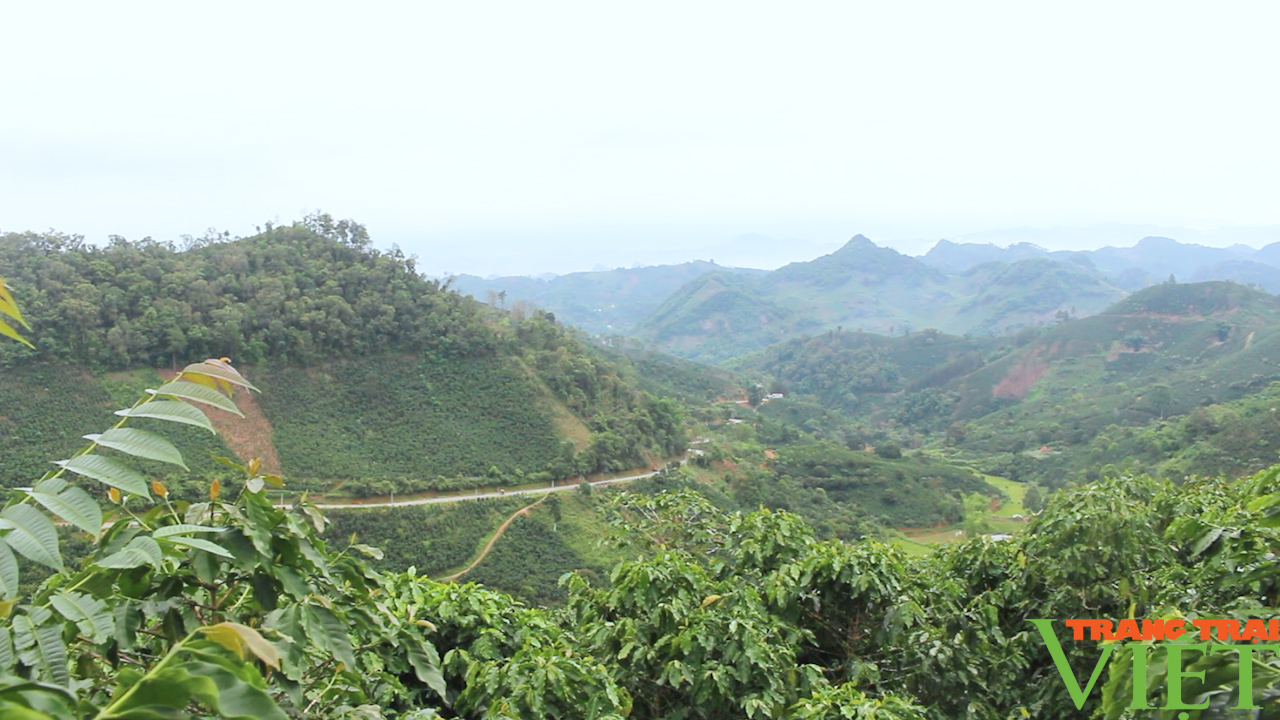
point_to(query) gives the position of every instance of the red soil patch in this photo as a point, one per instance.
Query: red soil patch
(1017, 383)
(248, 437)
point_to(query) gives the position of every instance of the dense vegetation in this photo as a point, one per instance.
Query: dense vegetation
(71, 403)
(235, 608)
(378, 376)
(721, 615)
(896, 491)
(669, 376)
(1060, 404)
(434, 539)
(299, 293)
(446, 417)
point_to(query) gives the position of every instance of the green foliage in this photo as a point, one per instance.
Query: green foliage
(9, 308)
(1079, 388)
(376, 373)
(1232, 438)
(72, 404)
(432, 538)
(186, 604)
(301, 293)
(233, 607)
(528, 560)
(914, 491)
(669, 376)
(889, 451)
(1034, 499)
(394, 416)
(859, 372)
(976, 509)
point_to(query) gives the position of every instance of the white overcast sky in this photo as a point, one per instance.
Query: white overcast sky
(530, 137)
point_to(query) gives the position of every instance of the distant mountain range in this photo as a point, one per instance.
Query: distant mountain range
(1150, 261)
(711, 313)
(863, 286)
(609, 301)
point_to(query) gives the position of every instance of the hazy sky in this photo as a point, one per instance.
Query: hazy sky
(501, 137)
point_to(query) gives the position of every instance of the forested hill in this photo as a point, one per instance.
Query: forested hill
(302, 293)
(372, 373)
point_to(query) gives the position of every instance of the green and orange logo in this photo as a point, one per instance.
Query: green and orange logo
(1217, 635)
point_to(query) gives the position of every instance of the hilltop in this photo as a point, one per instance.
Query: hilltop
(373, 376)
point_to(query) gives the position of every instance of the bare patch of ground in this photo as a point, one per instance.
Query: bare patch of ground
(248, 437)
(568, 425)
(1020, 378)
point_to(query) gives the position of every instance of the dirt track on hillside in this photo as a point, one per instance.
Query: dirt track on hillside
(497, 534)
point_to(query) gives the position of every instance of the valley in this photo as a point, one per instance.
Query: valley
(932, 445)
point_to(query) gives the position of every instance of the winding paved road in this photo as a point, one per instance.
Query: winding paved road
(479, 496)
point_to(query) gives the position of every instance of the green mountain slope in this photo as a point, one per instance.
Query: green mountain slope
(865, 287)
(371, 373)
(718, 316)
(1039, 400)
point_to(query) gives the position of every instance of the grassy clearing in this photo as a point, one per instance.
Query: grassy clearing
(918, 543)
(1015, 490)
(910, 545)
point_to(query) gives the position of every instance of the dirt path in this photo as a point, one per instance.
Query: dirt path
(496, 534)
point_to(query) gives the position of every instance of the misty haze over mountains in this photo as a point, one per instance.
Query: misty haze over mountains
(711, 311)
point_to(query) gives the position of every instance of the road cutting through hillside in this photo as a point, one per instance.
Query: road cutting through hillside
(355, 504)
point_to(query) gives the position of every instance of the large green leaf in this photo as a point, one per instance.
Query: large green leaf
(39, 644)
(333, 635)
(142, 443)
(90, 613)
(75, 506)
(198, 544)
(51, 486)
(8, 572)
(8, 331)
(140, 551)
(219, 370)
(232, 696)
(223, 686)
(109, 471)
(198, 393)
(32, 533)
(162, 695)
(426, 665)
(172, 411)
